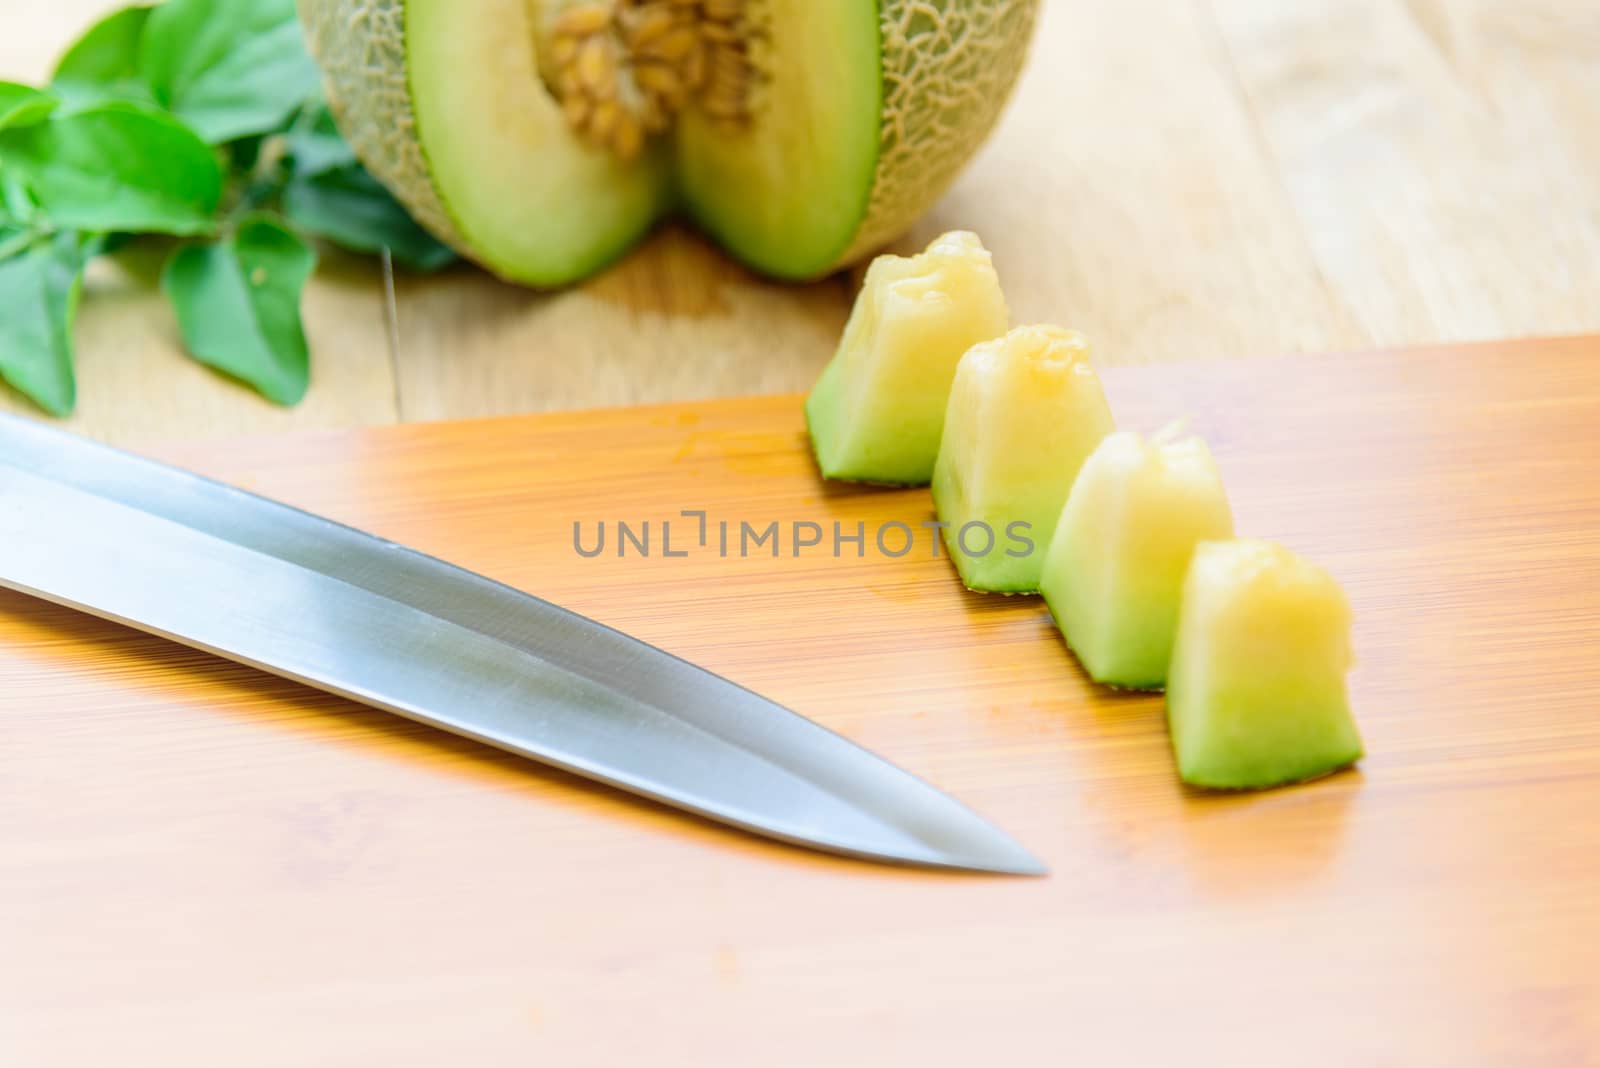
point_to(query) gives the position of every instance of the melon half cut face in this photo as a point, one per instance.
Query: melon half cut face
(544, 138)
(877, 412)
(1113, 576)
(1025, 411)
(1256, 691)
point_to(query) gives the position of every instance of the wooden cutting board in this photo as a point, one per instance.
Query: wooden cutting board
(204, 865)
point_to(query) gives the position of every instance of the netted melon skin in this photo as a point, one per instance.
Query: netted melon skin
(948, 69)
(361, 47)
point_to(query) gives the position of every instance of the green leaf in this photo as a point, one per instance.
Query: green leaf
(117, 167)
(103, 64)
(350, 208)
(14, 239)
(38, 295)
(238, 305)
(228, 69)
(16, 203)
(315, 144)
(22, 106)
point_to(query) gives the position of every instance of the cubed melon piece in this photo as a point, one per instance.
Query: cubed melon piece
(1025, 411)
(1113, 575)
(877, 412)
(1256, 691)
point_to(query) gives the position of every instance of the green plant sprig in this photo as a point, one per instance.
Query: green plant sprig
(200, 121)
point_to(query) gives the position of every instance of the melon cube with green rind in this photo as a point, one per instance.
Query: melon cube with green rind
(1256, 692)
(1025, 411)
(877, 412)
(1113, 575)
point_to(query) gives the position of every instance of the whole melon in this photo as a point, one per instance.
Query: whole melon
(543, 138)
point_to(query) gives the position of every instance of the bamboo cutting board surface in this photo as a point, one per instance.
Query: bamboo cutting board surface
(204, 865)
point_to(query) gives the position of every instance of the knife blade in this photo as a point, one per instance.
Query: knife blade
(223, 570)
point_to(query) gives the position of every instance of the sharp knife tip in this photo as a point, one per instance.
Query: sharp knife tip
(996, 854)
(1016, 862)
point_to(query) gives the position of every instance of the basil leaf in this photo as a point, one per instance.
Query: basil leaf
(39, 290)
(315, 144)
(117, 167)
(14, 239)
(238, 305)
(353, 210)
(22, 106)
(104, 63)
(230, 68)
(17, 205)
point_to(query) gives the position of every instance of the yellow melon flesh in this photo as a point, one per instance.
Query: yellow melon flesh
(1114, 572)
(1025, 411)
(877, 412)
(1256, 691)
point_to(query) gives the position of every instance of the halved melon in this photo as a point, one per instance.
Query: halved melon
(877, 412)
(1256, 692)
(544, 137)
(1114, 572)
(1025, 411)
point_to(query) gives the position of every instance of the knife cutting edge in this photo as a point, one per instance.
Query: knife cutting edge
(225, 571)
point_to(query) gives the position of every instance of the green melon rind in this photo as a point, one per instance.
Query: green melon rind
(993, 572)
(1112, 677)
(368, 51)
(1269, 762)
(717, 201)
(966, 54)
(824, 416)
(945, 73)
(360, 45)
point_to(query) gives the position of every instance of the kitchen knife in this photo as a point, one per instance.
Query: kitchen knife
(219, 569)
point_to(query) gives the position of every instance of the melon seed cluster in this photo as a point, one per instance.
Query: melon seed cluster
(624, 68)
(1130, 541)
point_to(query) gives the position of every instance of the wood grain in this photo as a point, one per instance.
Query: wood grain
(1181, 180)
(201, 864)
(1421, 141)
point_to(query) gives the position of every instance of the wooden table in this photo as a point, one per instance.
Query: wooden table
(1180, 180)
